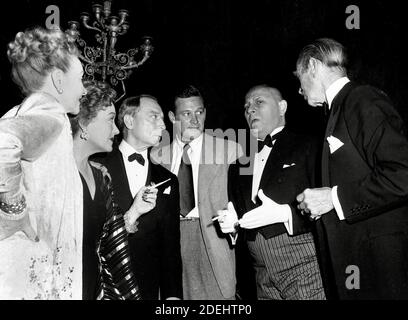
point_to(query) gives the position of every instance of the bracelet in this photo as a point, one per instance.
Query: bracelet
(13, 211)
(130, 228)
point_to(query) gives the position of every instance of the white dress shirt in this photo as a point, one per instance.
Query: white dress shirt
(194, 153)
(259, 165)
(135, 172)
(331, 93)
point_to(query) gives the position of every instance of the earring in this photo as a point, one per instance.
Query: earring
(84, 135)
(60, 90)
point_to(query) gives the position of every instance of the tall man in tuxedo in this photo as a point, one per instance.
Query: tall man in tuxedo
(155, 247)
(278, 237)
(362, 209)
(201, 163)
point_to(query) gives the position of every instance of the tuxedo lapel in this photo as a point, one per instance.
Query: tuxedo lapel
(331, 124)
(149, 177)
(153, 175)
(121, 183)
(283, 144)
(272, 164)
(163, 155)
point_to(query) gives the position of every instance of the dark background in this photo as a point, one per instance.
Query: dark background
(225, 47)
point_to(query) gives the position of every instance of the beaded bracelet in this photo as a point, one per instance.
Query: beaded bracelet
(14, 211)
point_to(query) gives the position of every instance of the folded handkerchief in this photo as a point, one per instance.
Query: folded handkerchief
(288, 165)
(167, 190)
(334, 143)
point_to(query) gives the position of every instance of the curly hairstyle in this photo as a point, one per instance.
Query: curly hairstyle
(35, 53)
(99, 96)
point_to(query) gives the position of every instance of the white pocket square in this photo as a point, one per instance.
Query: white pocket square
(288, 165)
(167, 190)
(334, 143)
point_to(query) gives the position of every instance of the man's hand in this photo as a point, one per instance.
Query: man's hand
(315, 202)
(10, 227)
(145, 201)
(268, 213)
(228, 219)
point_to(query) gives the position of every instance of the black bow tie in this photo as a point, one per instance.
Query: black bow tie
(268, 141)
(138, 157)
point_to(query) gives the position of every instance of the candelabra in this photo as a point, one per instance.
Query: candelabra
(103, 61)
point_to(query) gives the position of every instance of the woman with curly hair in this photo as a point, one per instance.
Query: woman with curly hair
(40, 188)
(107, 273)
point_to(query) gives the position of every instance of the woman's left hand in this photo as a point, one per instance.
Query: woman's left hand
(10, 227)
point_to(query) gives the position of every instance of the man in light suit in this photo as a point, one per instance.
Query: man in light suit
(278, 237)
(201, 162)
(362, 209)
(155, 246)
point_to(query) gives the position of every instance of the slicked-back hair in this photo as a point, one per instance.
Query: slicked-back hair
(130, 106)
(328, 51)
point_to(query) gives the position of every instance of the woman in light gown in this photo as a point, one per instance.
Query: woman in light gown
(40, 188)
(107, 271)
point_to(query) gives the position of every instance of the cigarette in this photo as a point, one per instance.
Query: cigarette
(217, 217)
(160, 183)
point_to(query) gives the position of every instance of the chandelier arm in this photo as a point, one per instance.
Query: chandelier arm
(90, 27)
(124, 91)
(83, 58)
(138, 64)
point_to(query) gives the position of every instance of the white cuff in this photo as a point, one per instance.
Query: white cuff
(287, 212)
(234, 237)
(336, 203)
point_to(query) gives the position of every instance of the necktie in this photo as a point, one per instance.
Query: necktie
(138, 157)
(185, 177)
(268, 141)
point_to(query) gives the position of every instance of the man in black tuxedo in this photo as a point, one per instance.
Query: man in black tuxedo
(278, 237)
(155, 247)
(362, 208)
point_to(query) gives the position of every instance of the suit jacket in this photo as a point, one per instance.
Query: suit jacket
(281, 181)
(155, 247)
(371, 172)
(212, 196)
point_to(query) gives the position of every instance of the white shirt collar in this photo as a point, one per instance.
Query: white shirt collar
(276, 130)
(194, 144)
(335, 88)
(127, 150)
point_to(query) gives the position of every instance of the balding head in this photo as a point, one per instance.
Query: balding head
(264, 110)
(273, 91)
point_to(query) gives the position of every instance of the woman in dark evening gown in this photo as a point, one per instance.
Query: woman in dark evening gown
(94, 218)
(106, 270)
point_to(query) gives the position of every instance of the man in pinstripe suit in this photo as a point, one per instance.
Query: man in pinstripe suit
(277, 236)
